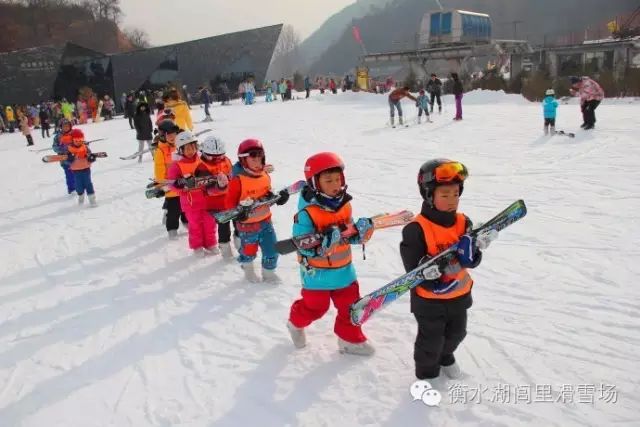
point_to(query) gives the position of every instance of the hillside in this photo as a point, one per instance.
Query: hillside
(25, 27)
(397, 26)
(314, 45)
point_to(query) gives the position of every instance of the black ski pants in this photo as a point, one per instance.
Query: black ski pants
(589, 112)
(174, 213)
(435, 96)
(438, 337)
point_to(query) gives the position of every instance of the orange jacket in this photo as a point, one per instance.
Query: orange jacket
(437, 239)
(400, 93)
(162, 159)
(255, 187)
(323, 219)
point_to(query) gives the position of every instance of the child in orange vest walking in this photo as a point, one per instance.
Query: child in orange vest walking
(215, 162)
(440, 303)
(162, 160)
(251, 183)
(80, 158)
(202, 227)
(327, 272)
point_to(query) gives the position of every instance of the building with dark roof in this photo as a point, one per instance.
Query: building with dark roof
(56, 72)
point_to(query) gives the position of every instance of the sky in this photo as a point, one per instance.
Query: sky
(172, 21)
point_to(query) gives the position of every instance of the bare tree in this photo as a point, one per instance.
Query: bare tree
(107, 10)
(138, 38)
(287, 57)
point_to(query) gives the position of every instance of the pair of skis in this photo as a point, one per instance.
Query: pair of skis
(62, 157)
(146, 150)
(563, 133)
(40, 150)
(369, 304)
(157, 188)
(314, 240)
(233, 213)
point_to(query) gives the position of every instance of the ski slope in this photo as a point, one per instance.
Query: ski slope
(104, 322)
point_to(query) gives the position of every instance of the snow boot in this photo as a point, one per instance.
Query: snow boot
(213, 250)
(81, 199)
(250, 272)
(92, 200)
(552, 130)
(199, 253)
(452, 371)
(393, 122)
(360, 349)
(227, 252)
(173, 234)
(400, 121)
(439, 110)
(270, 276)
(298, 335)
(546, 130)
(419, 119)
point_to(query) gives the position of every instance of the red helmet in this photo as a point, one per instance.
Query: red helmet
(319, 163)
(249, 145)
(77, 135)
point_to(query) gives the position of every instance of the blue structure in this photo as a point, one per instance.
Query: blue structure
(455, 26)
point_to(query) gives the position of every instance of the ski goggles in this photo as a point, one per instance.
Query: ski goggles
(449, 172)
(255, 154)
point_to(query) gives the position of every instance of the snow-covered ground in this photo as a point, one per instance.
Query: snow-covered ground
(104, 322)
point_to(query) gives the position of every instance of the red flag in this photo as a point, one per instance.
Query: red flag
(356, 33)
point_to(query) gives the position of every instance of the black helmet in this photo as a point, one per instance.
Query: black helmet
(440, 172)
(167, 126)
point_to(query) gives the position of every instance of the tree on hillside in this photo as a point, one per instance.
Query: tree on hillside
(286, 55)
(139, 38)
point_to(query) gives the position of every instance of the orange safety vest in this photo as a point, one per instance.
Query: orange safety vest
(223, 167)
(323, 219)
(256, 188)
(437, 239)
(80, 161)
(65, 138)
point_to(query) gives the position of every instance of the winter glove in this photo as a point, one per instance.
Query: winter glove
(91, 157)
(465, 250)
(445, 288)
(330, 241)
(283, 197)
(365, 229)
(432, 272)
(269, 168)
(223, 180)
(245, 209)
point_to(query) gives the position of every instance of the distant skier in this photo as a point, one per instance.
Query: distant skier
(80, 159)
(394, 103)
(591, 94)
(422, 102)
(549, 107)
(439, 304)
(434, 87)
(458, 90)
(144, 127)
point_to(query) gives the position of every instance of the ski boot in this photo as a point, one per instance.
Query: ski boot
(199, 253)
(360, 349)
(452, 371)
(270, 276)
(393, 120)
(81, 199)
(92, 200)
(227, 252)
(250, 272)
(173, 234)
(401, 121)
(213, 250)
(419, 119)
(298, 335)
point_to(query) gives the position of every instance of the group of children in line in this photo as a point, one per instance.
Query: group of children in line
(327, 272)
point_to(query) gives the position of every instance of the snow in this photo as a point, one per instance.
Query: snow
(104, 322)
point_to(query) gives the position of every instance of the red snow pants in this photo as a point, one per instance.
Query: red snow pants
(202, 229)
(315, 303)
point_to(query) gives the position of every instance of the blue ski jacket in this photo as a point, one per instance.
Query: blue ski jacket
(549, 107)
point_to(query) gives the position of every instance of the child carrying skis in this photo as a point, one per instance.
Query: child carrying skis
(327, 272)
(251, 183)
(202, 227)
(61, 142)
(440, 303)
(214, 162)
(549, 107)
(80, 159)
(422, 102)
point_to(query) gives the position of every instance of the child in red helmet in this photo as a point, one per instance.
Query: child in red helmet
(80, 158)
(327, 272)
(251, 183)
(440, 303)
